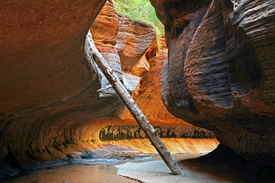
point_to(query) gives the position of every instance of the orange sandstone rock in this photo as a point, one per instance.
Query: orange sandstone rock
(220, 71)
(49, 104)
(133, 39)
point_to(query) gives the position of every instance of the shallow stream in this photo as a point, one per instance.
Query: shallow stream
(88, 173)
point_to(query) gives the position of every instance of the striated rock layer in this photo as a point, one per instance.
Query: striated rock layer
(47, 87)
(49, 104)
(105, 30)
(133, 39)
(117, 132)
(220, 70)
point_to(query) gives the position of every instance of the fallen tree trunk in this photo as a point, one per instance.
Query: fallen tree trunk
(134, 109)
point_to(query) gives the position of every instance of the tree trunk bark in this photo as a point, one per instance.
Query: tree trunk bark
(134, 109)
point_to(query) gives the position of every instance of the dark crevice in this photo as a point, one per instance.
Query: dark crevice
(11, 161)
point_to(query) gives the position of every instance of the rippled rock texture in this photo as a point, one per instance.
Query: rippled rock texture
(220, 70)
(133, 39)
(49, 104)
(47, 87)
(105, 29)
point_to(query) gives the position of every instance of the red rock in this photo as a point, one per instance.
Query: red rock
(49, 104)
(104, 31)
(147, 95)
(219, 73)
(47, 87)
(133, 39)
(105, 26)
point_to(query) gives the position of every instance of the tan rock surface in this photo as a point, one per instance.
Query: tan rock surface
(133, 39)
(47, 87)
(49, 104)
(104, 31)
(220, 70)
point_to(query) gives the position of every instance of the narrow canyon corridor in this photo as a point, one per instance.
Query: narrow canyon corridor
(206, 83)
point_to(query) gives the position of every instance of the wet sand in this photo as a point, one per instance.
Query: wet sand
(158, 172)
(83, 166)
(150, 171)
(72, 174)
(116, 156)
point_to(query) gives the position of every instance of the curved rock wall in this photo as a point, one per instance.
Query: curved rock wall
(219, 74)
(47, 85)
(133, 39)
(49, 89)
(49, 104)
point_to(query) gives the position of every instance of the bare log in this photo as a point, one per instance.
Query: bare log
(134, 109)
(101, 89)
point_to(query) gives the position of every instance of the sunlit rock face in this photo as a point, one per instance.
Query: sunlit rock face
(119, 132)
(133, 39)
(49, 104)
(220, 70)
(104, 31)
(147, 95)
(139, 55)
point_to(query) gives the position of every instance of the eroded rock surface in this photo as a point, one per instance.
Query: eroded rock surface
(133, 39)
(49, 104)
(119, 132)
(48, 87)
(220, 70)
(147, 95)
(104, 32)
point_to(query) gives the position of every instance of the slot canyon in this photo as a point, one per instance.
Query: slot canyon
(207, 85)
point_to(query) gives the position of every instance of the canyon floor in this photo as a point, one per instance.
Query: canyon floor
(115, 162)
(149, 171)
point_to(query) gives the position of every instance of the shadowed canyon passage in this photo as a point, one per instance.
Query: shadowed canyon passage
(219, 76)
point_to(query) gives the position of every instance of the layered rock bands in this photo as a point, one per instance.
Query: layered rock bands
(49, 104)
(220, 70)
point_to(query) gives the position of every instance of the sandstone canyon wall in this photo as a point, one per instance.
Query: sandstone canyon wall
(49, 104)
(48, 87)
(140, 59)
(220, 70)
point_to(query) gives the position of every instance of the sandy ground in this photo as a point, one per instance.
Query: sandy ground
(84, 167)
(158, 172)
(152, 171)
(72, 174)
